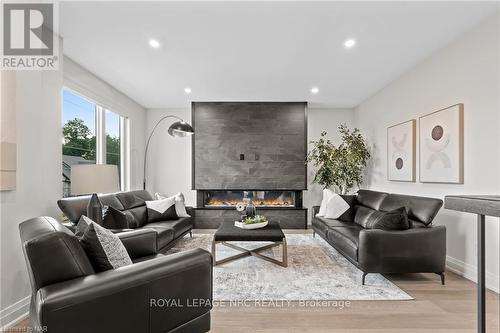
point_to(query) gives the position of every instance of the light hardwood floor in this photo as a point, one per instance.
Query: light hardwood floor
(436, 308)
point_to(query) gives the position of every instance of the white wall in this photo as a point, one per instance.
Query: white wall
(466, 71)
(38, 96)
(320, 120)
(38, 111)
(92, 87)
(169, 158)
(169, 162)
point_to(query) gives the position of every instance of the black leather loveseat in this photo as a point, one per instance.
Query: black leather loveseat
(69, 296)
(133, 204)
(420, 249)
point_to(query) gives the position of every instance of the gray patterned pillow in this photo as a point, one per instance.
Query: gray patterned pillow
(83, 223)
(104, 249)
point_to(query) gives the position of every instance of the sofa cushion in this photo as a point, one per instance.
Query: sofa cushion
(396, 219)
(179, 226)
(335, 207)
(366, 216)
(165, 235)
(114, 219)
(133, 199)
(104, 249)
(136, 217)
(82, 225)
(180, 203)
(420, 209)
(161, 210)
(371, 199)
(345, 239)
(348, 216)
(332, 223)
(75, 207)
(327, 194)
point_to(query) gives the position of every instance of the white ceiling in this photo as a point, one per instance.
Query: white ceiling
(266, 51)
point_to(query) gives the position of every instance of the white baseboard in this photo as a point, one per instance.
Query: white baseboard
(470, 272)
(14, 313)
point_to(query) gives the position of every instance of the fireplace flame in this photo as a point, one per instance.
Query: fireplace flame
(258, 203)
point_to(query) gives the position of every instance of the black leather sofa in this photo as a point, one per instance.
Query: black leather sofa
(420, 249)
(69, 296)
(133, 204)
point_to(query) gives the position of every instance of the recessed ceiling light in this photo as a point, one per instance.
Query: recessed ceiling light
(349, 43)
(187, 90)
(314, 90)
(154, 43)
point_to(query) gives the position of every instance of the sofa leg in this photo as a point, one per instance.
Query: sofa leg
(314, 234)
(190, 234)
(363, 278)
(442, 277)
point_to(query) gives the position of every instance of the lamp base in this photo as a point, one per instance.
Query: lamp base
(94, 209)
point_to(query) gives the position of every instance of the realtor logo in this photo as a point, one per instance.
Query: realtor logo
(29, 36)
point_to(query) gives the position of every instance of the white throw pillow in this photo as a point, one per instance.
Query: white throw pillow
(180, 203)
(335, 207)
(327, 194)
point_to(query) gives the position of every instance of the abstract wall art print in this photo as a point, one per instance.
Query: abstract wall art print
(401, 141)
(441, 137)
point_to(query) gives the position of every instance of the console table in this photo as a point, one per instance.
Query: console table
(481, 205)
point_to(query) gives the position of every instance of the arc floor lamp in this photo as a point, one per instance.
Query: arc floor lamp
(178, 129)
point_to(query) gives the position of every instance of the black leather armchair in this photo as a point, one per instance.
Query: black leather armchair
(420, 249)
(157, 293)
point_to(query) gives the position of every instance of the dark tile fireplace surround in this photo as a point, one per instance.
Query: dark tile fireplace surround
(254, 150)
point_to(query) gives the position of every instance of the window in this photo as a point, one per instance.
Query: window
(79, 136)
(91, 134)
(113, 139)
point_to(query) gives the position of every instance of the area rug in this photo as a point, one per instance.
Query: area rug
(315, 271)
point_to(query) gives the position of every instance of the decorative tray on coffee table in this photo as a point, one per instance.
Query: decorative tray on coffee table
(256, 222)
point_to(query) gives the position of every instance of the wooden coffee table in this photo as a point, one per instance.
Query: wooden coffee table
(227, 232)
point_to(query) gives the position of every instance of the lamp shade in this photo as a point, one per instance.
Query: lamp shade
(180, 129)
(94, 178)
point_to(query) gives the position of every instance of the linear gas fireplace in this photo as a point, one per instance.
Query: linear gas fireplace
(261, 199)
(249, 150)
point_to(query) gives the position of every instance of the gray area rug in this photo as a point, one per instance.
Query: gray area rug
(315, 271)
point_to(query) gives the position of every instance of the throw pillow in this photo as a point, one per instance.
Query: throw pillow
(83, 223)
(114, 219)
(161, 210)
(335, 207)
(104, 249)
(327, 194)
(396, 219)
(348, 216)
(180, 203)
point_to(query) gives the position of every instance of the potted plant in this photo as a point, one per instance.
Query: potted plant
(340, 167)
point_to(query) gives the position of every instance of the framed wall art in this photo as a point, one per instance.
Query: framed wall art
(401, 151)
(441, 146)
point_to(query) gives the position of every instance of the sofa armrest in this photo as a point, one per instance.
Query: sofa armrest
(139, 242)
(157, 295)
(408, 251)
(190, 211)
(314, 211)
